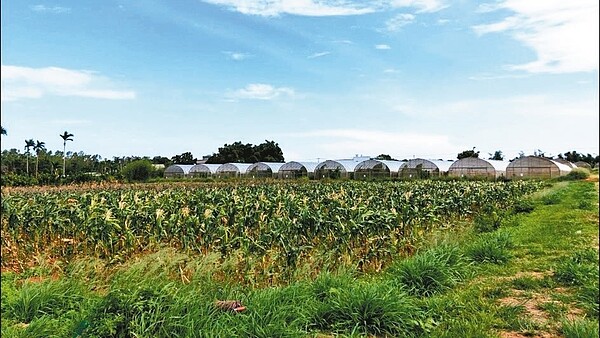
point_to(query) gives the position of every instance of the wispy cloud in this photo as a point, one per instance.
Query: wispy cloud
(261, 91)
(52, 10)
(564, 34)
(422, 6)
(34, 83)
(318, 55)
(300, 7)
(384, 47)
(396, 23)
(236, 56)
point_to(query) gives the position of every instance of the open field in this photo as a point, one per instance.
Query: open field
(422, 259)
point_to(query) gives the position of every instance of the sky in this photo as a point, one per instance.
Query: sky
(325, 79)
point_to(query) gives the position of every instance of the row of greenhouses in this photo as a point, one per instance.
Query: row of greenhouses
(367, 168)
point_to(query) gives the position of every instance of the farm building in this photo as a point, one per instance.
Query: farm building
(565, 162)
(295, 169)
(264, 169)
(377, 168)
(232, 169)
(204, 170)
(178, 170)
(584, 165)
(536, 167)
(422, 168)
(335, 169)
(477, 167)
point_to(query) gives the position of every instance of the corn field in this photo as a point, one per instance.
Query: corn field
(266, 229)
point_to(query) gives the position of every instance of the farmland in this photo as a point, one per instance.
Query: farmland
(307, 258)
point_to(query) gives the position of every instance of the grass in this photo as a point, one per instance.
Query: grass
(534, 273)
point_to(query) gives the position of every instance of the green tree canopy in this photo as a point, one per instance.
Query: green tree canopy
(139, 170)
(468, 153)
(185, 158)
(385, 157)
(237, 152)
(498, 156)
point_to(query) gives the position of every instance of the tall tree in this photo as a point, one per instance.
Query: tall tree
(29, 144)
(468, 153)
(498, 156)
(38, 148)
(269, 151)
(66, 137)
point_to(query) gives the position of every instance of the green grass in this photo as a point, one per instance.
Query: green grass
(546, 255)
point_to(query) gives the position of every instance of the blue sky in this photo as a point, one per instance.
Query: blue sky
(324, 79)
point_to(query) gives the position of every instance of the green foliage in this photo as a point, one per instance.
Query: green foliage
(576, 174)
(489, 220)
(468, 153)
(523, 205)
(237, 152)
(583, 328)
(491, 248)
(579, 269)
(138, 171)
(430, 272)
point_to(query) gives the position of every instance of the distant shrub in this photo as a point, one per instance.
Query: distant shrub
(576, 174)
(523, 206)
(140, 170)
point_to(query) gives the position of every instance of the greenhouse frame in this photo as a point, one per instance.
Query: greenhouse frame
(232, 169)
(335, 169)
(536, 167)
(584, 165)
(295, 169)
(565, 162)
(422, 168)
(372, 168)
(178, 170)
(203, 170)
(264, 169)
(475, 167)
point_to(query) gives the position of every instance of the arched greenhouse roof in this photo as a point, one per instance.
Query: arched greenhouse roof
(440, 165)
(273, 167)
(582, 164)
(204, 168)
(293, 165)
(565, 162)
(392, 166)
(239, 168)
(182, 169)
(536, 166)
(475, 162)
(345, 166)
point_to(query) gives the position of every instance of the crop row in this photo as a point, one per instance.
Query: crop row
(275, 224)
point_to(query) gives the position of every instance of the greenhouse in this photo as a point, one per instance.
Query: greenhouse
(422, 168)
(295, 169)
(204, 170)
(584, 165)
(264, 169)
(232, 169)
(536, 167)
(377, 169)
(478, 168)
(178, 170)
(565, 162)
(335, 169)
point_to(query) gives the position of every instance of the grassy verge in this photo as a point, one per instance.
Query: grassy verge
(530, 271)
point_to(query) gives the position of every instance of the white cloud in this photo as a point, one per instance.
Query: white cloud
(564, 34)
(318, 55)
(396, 23)
(237, 56)
(32, 83)
(52, 10)
(382, 47)
(295, 7)
(261, 91)
(345, 143)
(422, 6)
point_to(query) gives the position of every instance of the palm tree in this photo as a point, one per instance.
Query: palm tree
(38, 148)
(66, 137)
(28, 145)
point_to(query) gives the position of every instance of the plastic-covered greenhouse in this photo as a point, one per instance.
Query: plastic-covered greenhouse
(477, 167)
(178, 170)
(422, 168)
(335, 169)
(232, 169)
(295, 169)
(565, 162)
(204, 170)
(584, 165)
(377, 169)
(536, 167)
(264, 169)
